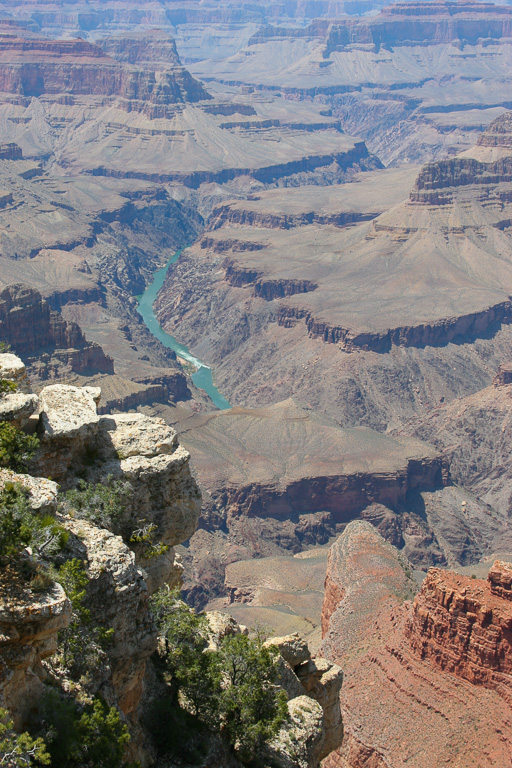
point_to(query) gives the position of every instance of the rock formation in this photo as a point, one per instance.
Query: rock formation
(279, 480)
(438, 667)
(47, 342)
(143, 451)
(373, 358)
(76, 442)
(146, 453)
(312, 687)
(34, 67)
(464, 626)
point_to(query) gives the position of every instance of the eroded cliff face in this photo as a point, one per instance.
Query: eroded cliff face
(47, 341)
(301, 325)
(30, 66)
(420, 677)
(464, 626)
(146, 454)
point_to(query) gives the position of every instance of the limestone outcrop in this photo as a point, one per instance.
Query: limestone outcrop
(75, 442)
(29, 626)
(117, 596)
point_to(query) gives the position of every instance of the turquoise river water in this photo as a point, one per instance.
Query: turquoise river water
(202, 377)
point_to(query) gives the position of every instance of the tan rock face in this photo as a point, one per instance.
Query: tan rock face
(42, 492)
(17, 407)
(292, 648)
(117, 596)
(301, 744)
(12, 368)
(67, 412)
(464, 626)
(29, 626)
(76, 442)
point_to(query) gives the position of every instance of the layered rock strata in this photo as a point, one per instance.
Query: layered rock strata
(33, 66)
(408, 666)
(464, 626)
(34, 330)
(326, 476)
(405, 331)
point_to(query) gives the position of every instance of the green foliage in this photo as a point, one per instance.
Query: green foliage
(91, 736)
(102, 503)
(20, 527)
(145, 537)
(7, 386)
(16, 448)
(194, 671)
(15, 521)
(81, 644)
(18, 750)
(231, 689)
(252, 709)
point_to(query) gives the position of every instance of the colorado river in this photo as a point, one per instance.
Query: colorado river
(202, 377)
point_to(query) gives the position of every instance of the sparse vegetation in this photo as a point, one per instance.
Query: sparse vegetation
(90, 735)
(102, 503)
(231, 689)
(144, 536)
(18, 750)
(21, 527)
(16, 448)
(82, 644)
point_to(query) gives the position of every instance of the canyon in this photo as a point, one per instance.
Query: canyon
(339, 177)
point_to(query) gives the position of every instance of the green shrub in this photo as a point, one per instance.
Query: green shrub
(89, 736)
(102, 503)
(20, 527)
(144, 536)
(16, 448)
(7, 386)
(252, 710)
(18, 750)
(82, 644)
(176, 732)
(232, 689)
(194, 671)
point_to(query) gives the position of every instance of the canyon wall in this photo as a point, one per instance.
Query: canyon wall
(32, 329)
(420, 678)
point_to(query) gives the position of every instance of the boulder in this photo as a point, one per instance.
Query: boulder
(293, 648)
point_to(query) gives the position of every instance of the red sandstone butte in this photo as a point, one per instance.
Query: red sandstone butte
(464, 626)
(427, 683)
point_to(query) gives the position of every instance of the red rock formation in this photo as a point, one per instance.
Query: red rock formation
(420, 680)
(464, 625)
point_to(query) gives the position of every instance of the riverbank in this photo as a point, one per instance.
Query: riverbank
(202, 377)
